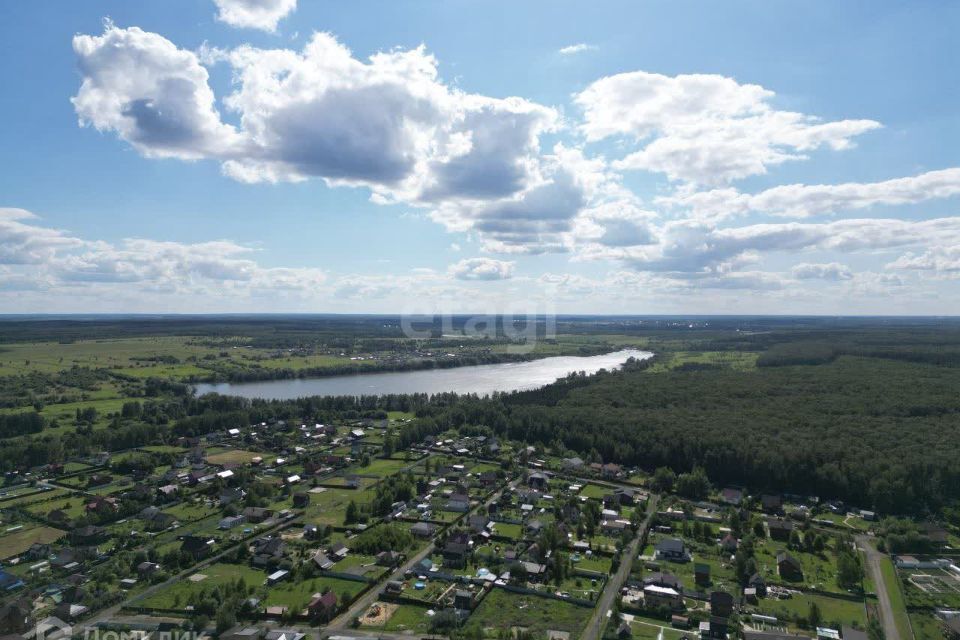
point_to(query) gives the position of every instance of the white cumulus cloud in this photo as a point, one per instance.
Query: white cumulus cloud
(482, 269)
(704, 129)
(254, 14)
(580, 47)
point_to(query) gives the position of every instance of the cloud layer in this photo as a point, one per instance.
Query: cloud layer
(481, 166)
(705, 129)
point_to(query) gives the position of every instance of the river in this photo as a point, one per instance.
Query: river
(481, 379)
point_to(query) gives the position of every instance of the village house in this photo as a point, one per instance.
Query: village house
(338, 551)
(87, 535)
(731, 496)
(672, 549)
(780, 529)
(230, 522)
(455, 553)
(324, 606)
(537, 480)
(788, 567)
(256, 515)
(322, 561)
(268, 551)
(197, 546)
(655, 596)
(388, 558)
(423, 530)
(721, 604)
(771, 503)
(662, 579)
(231, 495)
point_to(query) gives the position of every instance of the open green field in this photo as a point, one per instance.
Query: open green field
(72, 505)
(819, 570)
(831, 609)
(330, 506)
(406, 618)
(237, 457)
(296, 595)
(382, 467)
(737, 360)
(177, 594)
(126, 355)
(15, 543)
(503, 609)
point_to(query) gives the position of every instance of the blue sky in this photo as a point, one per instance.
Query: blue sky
(220, 155)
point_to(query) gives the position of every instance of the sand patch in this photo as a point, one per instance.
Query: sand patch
(378, 613)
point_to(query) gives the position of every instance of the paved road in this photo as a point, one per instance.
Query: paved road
(874, 558)
(616, 582)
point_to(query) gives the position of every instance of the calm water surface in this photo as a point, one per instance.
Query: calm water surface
(482, 379)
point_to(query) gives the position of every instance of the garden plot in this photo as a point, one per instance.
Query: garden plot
(936, 582)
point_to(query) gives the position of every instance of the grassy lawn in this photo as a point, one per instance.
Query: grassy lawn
(503, 609)
(892, 583)
(408, 617)
(330, 506)
(739, 360)
(831, 609)
(382, 467)
(236, 457)
(296, 595)
(819, 571)
(509, 530)
(71, 504)
(926, 626)
(15, 543)
(594, 563)
(178, 594)
(595, 491)
(188, 512)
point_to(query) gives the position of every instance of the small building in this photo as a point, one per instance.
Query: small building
(701, 573)
(197, 546)
(672, 549)
(771, 503)
(662, 579)
(788, 567)
(455, 554)
(729, 543)
(537, 480)
(655, 596)
(277, 576)
(230, 522)
(780, 529)
(323, 606)
(256, 515)
(322, 561)
(423, 530)
(242, 633)
(721, 604)
(301, 500)
(339, 551)
(733, 496)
